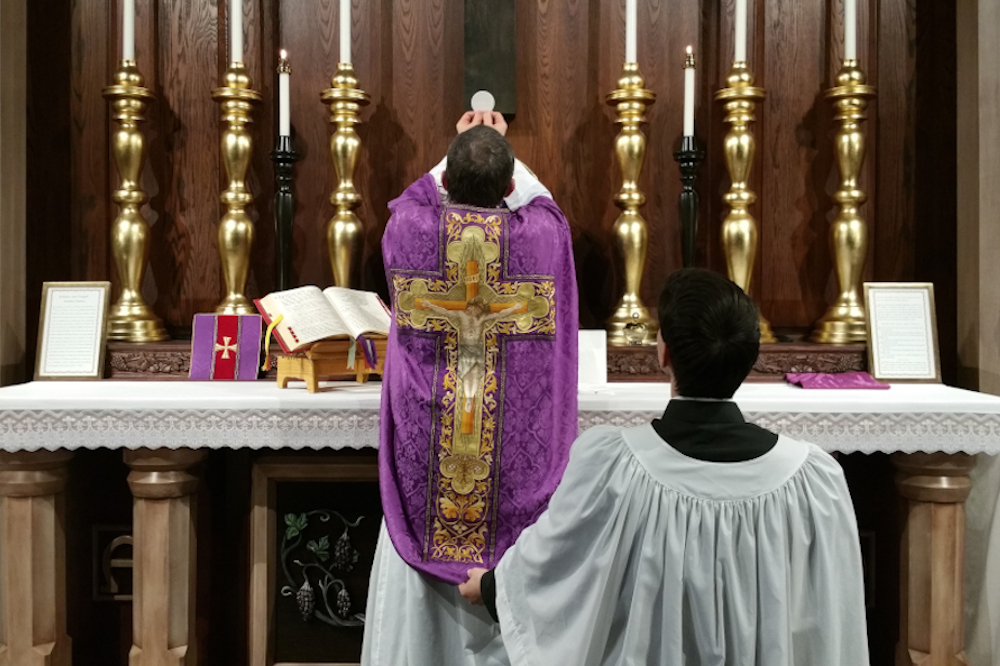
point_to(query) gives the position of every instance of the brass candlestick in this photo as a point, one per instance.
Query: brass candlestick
(844, 321)
(344, 233)
(131, 318)
(739, 229)
(236, 99)
(631, 324)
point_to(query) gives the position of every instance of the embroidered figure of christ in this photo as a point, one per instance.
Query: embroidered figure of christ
(479, 396)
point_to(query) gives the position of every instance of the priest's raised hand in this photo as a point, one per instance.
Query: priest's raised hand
(492, 119)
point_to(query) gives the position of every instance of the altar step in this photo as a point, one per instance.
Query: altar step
(172, 360)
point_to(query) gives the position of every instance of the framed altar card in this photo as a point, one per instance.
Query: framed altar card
(72, 330)
(902, 332)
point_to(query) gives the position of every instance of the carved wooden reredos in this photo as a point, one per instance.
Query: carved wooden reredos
(408, 55)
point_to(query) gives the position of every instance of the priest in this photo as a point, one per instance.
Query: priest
(695, 539)
(479, 396)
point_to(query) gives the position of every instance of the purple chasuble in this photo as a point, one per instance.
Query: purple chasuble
(479, 399)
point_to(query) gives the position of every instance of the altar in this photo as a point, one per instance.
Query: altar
(165, 430)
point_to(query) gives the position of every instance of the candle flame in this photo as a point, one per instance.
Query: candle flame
(283, 65)
(284, 53)
(689, 58)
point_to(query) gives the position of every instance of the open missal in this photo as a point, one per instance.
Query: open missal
(308, 315)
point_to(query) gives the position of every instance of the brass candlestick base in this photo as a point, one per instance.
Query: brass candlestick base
(130, 318)
(739, 229)
(236, 229)
(844, 321)
(631, 324)
(344, 233)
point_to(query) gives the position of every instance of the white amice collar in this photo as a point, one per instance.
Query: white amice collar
(684, 397)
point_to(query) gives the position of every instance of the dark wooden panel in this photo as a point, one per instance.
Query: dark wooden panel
(795, 162)
(387, 147)
(49, 166)
(426, 82)
(893, 246)
(935, 197)
(665, 31)
(262, 63)
(311, 41)
(147, 56)
(185, 263)
(92, 66)
(563, 132)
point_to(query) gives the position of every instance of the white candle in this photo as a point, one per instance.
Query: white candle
(128, 30)
(284, 102)
(236, 31)
(345, 31)
(689, 93)
(850, 30)
(631, 21)
(740, 54)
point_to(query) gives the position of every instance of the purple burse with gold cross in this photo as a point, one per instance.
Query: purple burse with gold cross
(480, 384)
(226, 347)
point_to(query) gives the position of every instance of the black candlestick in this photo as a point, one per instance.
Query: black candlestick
(284, 159)
(689, 157)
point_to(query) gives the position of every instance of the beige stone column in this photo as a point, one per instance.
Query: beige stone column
(13, 160)
(978, 152)
(934, 487)
(978, 80)
(163, 484)
(33, 559)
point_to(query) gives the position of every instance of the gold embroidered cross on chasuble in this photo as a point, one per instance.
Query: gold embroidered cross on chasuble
(475, 308)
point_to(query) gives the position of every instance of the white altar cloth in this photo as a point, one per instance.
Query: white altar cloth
(110, 414)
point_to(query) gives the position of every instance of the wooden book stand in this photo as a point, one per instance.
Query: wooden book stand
(327, 360)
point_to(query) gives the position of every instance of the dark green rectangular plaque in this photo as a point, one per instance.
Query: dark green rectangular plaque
(490, 46)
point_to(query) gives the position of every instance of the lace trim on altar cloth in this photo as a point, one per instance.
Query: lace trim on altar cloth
(29, 430)
(217, 429)
(864, 433)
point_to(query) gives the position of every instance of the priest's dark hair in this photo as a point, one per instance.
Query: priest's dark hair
(712, 331)
(480, 166)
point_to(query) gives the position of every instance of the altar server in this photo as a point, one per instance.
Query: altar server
(696, 539)
(479, 400)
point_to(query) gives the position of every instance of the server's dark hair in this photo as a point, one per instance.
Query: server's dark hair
(480, 166)
(712, 330)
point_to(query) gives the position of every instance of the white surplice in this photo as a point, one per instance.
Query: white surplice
(646, 556)
(413, 620)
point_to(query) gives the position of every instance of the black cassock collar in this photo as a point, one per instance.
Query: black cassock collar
(712, 430)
